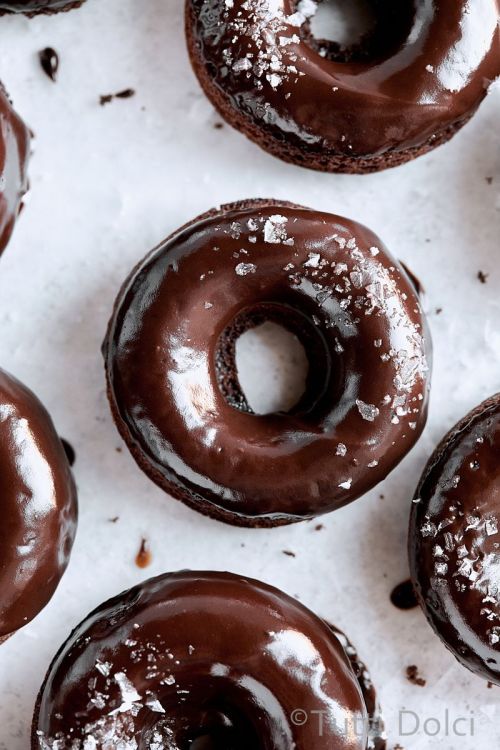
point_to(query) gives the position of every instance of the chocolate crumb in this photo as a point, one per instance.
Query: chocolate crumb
(413, 676)
(289, 553)
(69, 451)
(49, 60)
(489, 180)
(107, 98)
(114, 520)
(403, 596)
(144, 556)
(489, 685)
(319, 527)
(439, 310)
(483, 277)
(218, 125)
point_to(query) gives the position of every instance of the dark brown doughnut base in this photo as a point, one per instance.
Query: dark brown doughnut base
(288, 152)
(197, 502)
(43, 11)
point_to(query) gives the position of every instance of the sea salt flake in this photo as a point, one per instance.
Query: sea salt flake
(368, 411)
(243, 269)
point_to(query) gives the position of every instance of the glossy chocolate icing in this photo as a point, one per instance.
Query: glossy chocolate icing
(454, 542)
(37, 506)
(32, 7)
(173, 386)
(14, 151)
(202, 660)
(257, 62)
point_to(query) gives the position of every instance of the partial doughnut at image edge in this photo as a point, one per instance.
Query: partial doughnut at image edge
(454, 540)
(408, 86)
(205, 659)
(38, 507)
(173, 383)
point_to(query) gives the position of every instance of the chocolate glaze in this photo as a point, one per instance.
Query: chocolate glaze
(14, 152)
(38, 506)
(410, 86)
(32, 7)
(454, 541)
(173, 384)
(197, 659)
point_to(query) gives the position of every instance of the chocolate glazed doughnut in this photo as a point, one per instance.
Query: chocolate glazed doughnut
(172, 379)
(454, 541)
(33, 7)
(407, 87)
(37, 506)
(14, 151)
(203, 660)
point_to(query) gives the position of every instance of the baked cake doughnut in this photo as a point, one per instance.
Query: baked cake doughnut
(454, 540)
(33, 7)
(172, 380)
(37, 506)
(14, 153)
(407, 87)
(205, 660)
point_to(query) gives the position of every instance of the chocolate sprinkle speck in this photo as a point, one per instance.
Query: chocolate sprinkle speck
(319, 527)
(114, 520)
(413, 676)
(289, 553)
(107, 98)
(49, 60)
(483, 277)
(403, 596)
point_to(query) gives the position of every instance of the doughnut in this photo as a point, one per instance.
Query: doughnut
(33, 7)
(14, 152)
(172, 378)
(405, 88)
(454, 541)
(204, 660)
(37, 507)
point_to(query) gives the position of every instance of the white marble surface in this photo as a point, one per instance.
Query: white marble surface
(110, 182)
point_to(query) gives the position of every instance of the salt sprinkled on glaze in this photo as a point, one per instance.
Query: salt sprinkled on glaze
(368, 411)
(243, 269)
(275, 231)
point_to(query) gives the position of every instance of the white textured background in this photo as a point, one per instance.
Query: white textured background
(110, 182)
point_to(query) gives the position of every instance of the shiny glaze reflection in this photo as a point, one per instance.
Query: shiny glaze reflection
(275, 82)
(14, 149)
(202, 655)
(455, 541)
(38, 506)
(367, 398)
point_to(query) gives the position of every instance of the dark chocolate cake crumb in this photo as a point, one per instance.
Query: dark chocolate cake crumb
(403, 596)
(289, 553)
(218, 125)
(489, 685)
(319, 527)
(439, 310)
(413, 676)
(107, 98)
(49, 60)
(483, 277)
(489, 180)
(69, 451)
(115, 519)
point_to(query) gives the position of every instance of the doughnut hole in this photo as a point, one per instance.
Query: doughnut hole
(273, 359)
(271, 349)
(357, 30)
